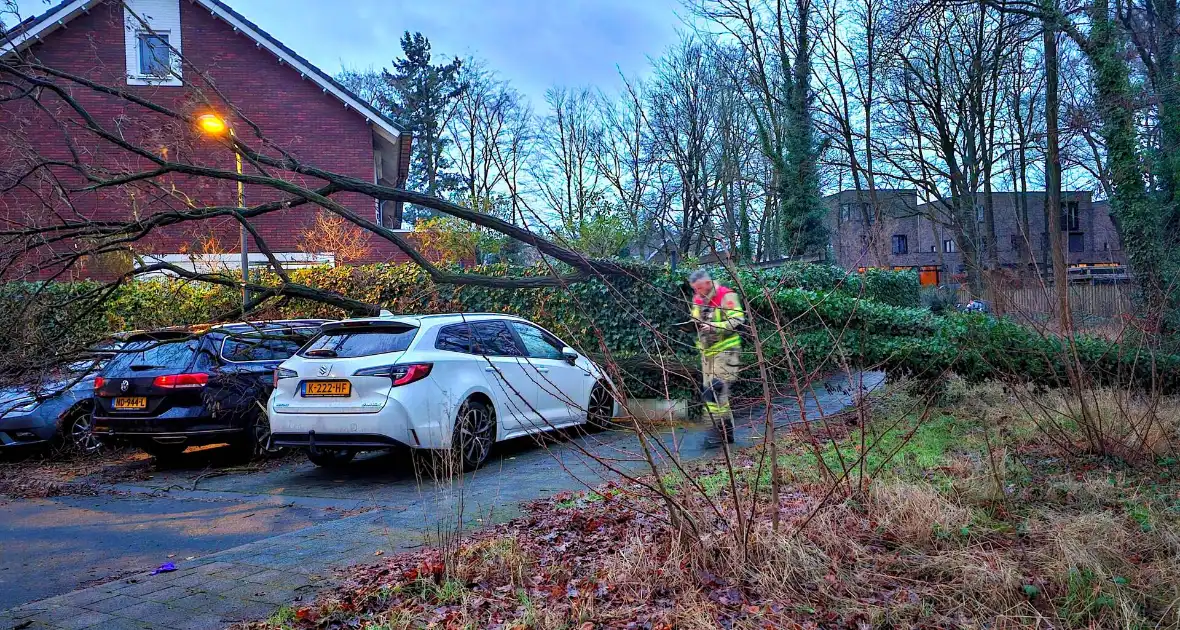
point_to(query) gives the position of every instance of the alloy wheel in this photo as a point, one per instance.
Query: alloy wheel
(600, 411)
(475, 434)
(80, 433)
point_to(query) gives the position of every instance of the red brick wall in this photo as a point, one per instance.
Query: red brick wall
(291, 112)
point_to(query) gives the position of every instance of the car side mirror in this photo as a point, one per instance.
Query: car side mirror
(570, 355)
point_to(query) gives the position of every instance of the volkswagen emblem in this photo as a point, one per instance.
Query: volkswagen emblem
(324, 369)
(124, 385)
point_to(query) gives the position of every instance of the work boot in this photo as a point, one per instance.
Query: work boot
(720, 415)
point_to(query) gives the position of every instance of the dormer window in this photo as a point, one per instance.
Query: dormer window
(155, 58)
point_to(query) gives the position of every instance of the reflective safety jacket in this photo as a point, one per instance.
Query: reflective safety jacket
(718, 318)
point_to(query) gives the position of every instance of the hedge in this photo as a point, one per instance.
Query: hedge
(871, 319)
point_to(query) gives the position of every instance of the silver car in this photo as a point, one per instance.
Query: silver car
(53, 412)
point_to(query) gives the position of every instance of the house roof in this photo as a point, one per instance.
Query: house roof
(34, 29)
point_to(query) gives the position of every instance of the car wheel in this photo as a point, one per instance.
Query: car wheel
(600, 411)
(77, 434)
(255, 442)
(330, 457)
(475, 431)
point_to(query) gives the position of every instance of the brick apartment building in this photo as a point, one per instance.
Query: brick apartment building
(297, 106)
(905, 233)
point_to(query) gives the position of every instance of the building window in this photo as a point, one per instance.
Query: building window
(949, 247)
(848, 212)
(390, 214)
(900, 244)
(864, 244)
(155, 58)
(1069, 216)
(1077, 242)
(979, 213)
(152, 42)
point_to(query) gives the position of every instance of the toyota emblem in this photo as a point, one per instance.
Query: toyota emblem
(324, 369)
(124, 385)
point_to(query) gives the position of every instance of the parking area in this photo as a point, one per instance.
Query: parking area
(286, 524)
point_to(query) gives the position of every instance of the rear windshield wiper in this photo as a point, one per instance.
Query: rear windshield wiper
(321, 352)
(144, 366)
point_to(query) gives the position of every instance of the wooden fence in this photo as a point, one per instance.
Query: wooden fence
(1098, 300)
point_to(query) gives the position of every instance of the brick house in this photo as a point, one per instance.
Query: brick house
(193, 56)
(908, 234)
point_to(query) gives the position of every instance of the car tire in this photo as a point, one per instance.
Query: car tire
(254, 443)
(165, 454)
(600, 410)
(330, 457)
(76, 433)
(474, 434)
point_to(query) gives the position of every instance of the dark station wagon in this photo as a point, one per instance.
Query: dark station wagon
(170, 389)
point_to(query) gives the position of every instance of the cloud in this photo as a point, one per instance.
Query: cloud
(533, 43)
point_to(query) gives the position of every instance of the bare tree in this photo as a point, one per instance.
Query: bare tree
(777, 41)
(623, 157)
(942, 105)
(851, 57)
(481, 131)
(683, 113)
(566, 177)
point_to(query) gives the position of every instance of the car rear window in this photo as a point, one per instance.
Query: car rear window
(264, 346)
(347, 342)
(150, 354)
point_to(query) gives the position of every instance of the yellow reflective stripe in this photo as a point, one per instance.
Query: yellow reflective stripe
(724, 344)
(715, 408)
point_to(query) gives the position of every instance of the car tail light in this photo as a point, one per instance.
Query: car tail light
(401, 374)
(282, 373)
(406, 374)
(99, 382)
(181, 381)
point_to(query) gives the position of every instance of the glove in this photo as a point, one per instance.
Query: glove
(708, 335)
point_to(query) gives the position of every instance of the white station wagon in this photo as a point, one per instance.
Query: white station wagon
(458, 382)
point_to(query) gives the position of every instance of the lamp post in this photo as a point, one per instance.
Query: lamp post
(214, 125)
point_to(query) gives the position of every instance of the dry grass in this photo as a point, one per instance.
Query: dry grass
(499, 560)
(1130, 425)
(914, 515)
(999, 531)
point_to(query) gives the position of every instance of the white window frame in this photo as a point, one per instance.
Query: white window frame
(140, 36)
(152, 17)
(135, 77)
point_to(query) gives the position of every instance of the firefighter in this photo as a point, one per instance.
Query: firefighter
(718, 316)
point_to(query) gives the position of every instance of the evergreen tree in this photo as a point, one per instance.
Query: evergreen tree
(421, 98)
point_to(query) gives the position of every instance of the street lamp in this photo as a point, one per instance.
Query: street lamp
(214, 125)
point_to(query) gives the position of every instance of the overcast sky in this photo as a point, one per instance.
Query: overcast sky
(533, 43)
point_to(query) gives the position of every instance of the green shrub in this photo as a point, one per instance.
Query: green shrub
(827, 316)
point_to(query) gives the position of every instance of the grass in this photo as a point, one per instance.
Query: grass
(282, 618)
(971, 518)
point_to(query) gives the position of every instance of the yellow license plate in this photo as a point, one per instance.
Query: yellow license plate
(327, 388)
(131, 402)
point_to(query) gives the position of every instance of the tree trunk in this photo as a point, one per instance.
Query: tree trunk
(1053, 175)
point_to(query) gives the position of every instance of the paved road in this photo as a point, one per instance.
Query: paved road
(265, 538)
